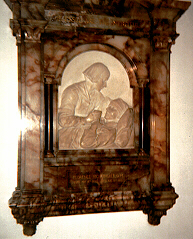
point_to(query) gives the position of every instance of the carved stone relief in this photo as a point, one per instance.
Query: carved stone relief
(93, 111)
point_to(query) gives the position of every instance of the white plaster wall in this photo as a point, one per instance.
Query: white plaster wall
(177, 223)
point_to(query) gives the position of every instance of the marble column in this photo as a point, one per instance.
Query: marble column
(159, 111)
(31, 98)
(31, 109)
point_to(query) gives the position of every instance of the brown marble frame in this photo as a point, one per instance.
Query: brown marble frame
(61, 158)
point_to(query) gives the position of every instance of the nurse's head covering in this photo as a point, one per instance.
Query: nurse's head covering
(97, 71)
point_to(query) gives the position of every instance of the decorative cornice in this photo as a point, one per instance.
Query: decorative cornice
(30, 207)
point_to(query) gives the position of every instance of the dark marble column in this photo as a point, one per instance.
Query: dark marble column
(143, 120)
(49, 113)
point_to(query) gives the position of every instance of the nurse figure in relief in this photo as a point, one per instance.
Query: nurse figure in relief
(81, 104)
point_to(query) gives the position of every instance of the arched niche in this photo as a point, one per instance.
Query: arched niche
(127, 63)
(121, 84)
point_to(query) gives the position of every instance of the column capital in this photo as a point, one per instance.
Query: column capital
(164, 42)
(142, 82)
(49, 78)
(32, 29)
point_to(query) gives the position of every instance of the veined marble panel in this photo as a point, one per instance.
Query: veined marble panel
(94, 178)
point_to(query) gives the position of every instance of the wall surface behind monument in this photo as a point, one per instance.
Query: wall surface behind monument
(177, 223)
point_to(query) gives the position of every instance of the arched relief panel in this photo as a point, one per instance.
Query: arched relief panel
(74, 72)
(127, 62)
(102, 53)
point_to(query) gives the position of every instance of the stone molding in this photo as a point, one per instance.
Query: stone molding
(16, 28)
(30, 207)
(83, 17)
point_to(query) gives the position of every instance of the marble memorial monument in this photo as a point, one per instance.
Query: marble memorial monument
(94, 101)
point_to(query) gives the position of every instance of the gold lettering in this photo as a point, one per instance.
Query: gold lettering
(94, 178)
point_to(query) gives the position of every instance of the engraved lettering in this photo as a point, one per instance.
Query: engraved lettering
(79, 19)
(96, 178)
